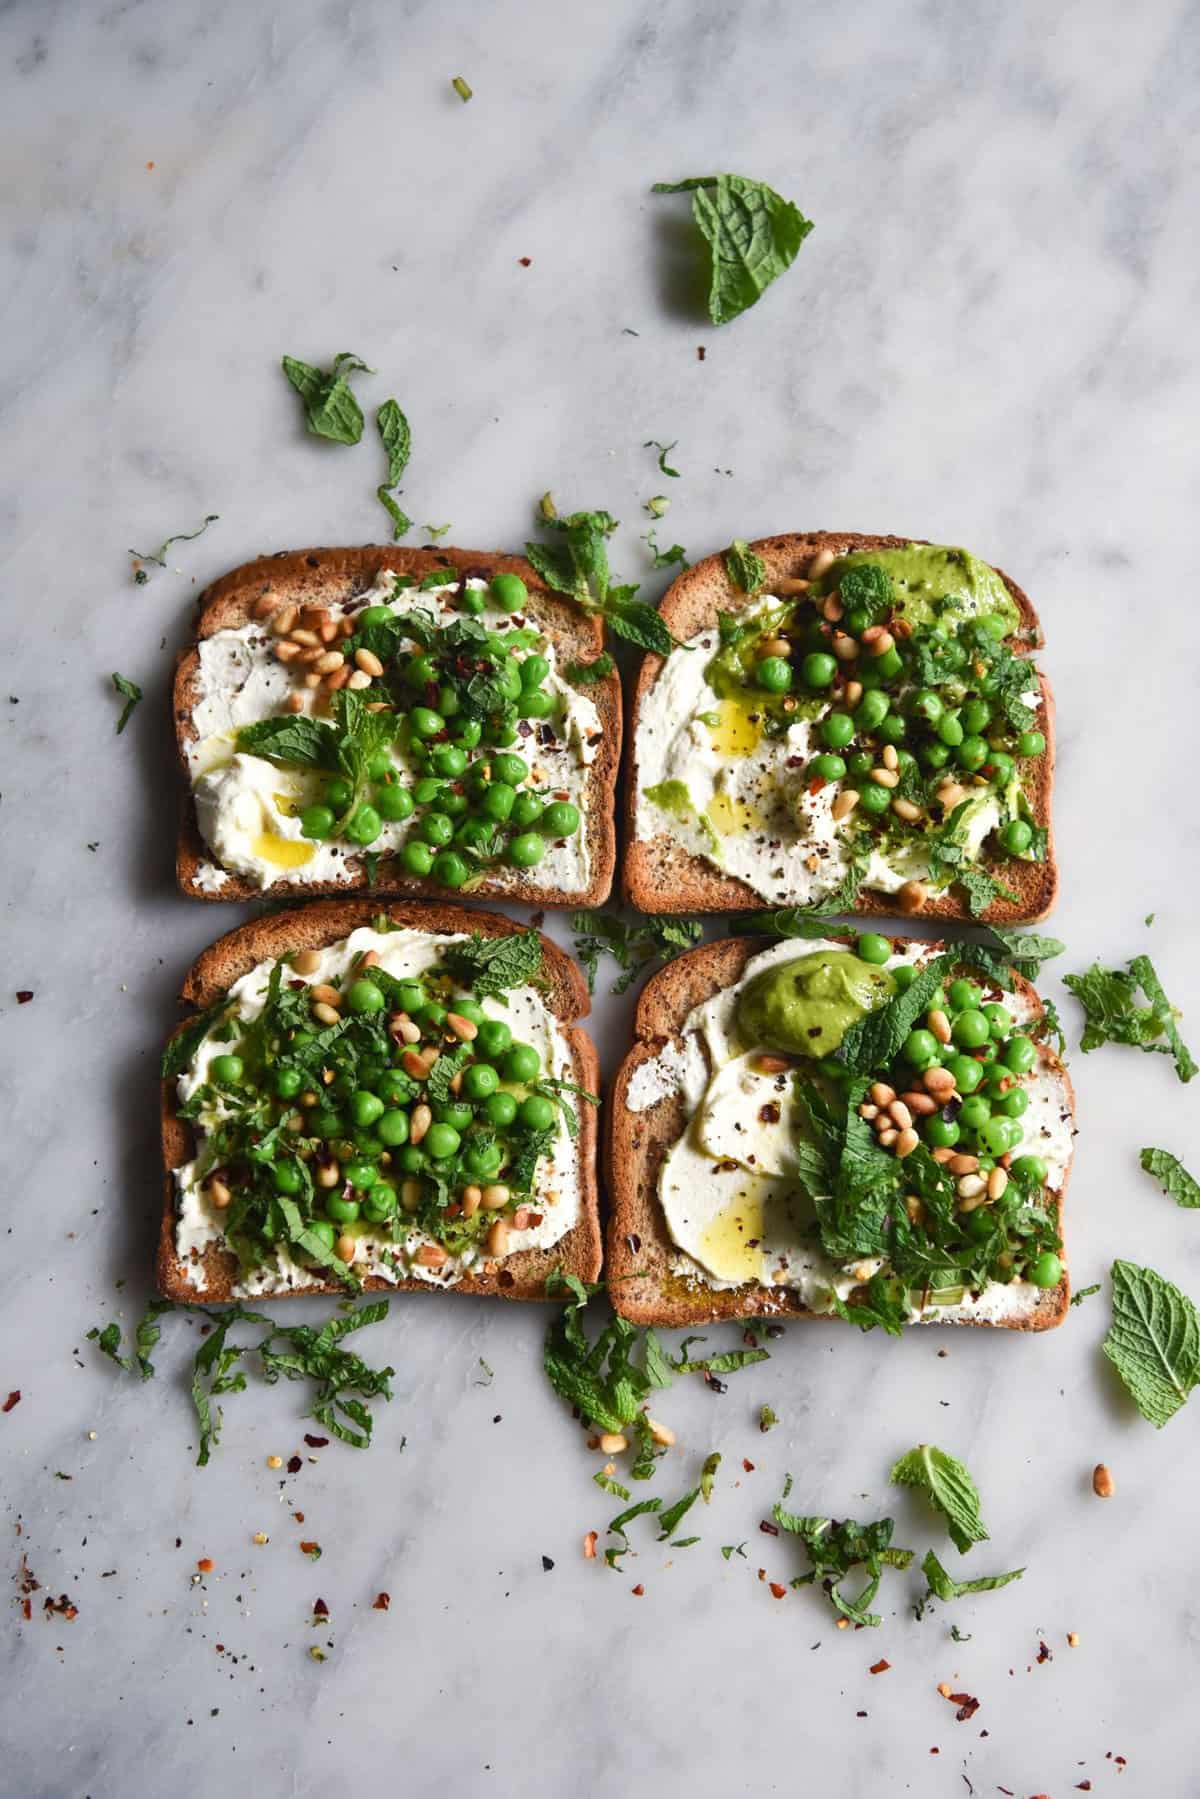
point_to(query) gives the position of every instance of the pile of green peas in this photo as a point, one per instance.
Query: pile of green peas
(461, 802)
(987, 1057)
(363, 1116)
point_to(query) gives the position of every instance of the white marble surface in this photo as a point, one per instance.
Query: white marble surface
(988, 339)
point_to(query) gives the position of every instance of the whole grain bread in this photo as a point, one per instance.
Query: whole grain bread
(641, 1283)
(331, 577)
(659, 875)
(520, 1276)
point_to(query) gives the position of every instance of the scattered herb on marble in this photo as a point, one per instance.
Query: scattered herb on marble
(1078, 1298)
(131, 693)
(632, 946)
(943, 1586)
(1113, 1014)
(396, 437)
(664, 558)
(664, 450)
(753, 235)
(949, 1487)
(1172, 1176)
(1153, 1341)
(330, 407)
(576, 563)
(141, 574)
(145, 1339)
(836, 1548)
(462, 88)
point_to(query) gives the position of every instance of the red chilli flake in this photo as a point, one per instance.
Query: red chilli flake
(880, 1667)
(638, 1590)
(312, 1550)
(13, 1399)
(205, 1564)
(294, 1464)
(747, 1465)
(777, 1591)
(320, 1609)
(768, 1529)
(316, 1442)
(381, 1602)
(24, 995)
(967, 1706)
(701, 352)
(1045, 1653)
(525, 261)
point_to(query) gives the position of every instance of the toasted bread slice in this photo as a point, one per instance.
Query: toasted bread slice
(641, 1283)
(520, 1276)
(660, 875)
(330, 577)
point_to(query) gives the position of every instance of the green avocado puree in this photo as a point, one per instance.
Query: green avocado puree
(937, 585)
(806, 1007)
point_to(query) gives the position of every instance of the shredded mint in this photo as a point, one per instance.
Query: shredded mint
(132, 694)
(159, 556)
(1173, 1177)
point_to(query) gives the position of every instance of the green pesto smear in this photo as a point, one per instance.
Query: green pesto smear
(805, 1007)
(934, 584)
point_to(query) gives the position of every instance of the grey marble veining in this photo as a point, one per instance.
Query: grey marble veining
(988, 339)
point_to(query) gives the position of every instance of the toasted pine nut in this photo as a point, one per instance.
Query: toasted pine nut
(456, 1083)
(328, 1174)
(865, 1111)
(611, 1443)
(325, 1014)
(430, 1255)
(971, 1186)
(769, 1064)
(265, 605)
(888, 1137)
(775, 646)
(906, 1142)
(309, 658)
(407, 1031)
(306, 961)
(309, 639)
(326, 993)
(419, 1123)
(286, 651)
(906, 809)
(312, 616)
(376, 705)
(883, 1121)
(369, 960)
(294, 702)
(413, 1062)
(358, 680)
(845, 803)
(973, 1202)
(661, 1433)
(1103, 1485)
(328, 632)
(470, 1201)
(961, 1164)
(832, 608)
(912, 896)
(950, 795)
(410, 1195)
(941, 1155)
(789, 584)
(885, 777)
(331, 660)
(915, 1208)
(920, 1103)
(497, 1238)
(821, 561)
(219, 1195)
(997, 1183)
(346, 1248)
(881, 1093)
(844, 646)
(852, 692)
(283, 620)
(902, 628)
(939, 1082)
(368, 662)
(890, 757)
(881, 644)
(345, 627)
(463, 1029)
(312, 679)
(494, 1197)
(900, 1114)
(521, 1218)
(939, 1024)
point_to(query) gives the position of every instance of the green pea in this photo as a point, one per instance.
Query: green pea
(860, 763)
(872, 710)
(497, 802)
(1015, 1103)
(500, 1109)
(508, 677)
(509, 592)
(454, 805)
(1046, 1270)
(976, 716)
(928, 705)
(974, 1113)
(999, 767)
(361, 1174)
(943, 1133)
(873, 948)
(827, 767)
(480, 1081)
(228, 1069)
(534, 670)
(380, 1203)
(889, 664)
(287, 1082)
(470, 600)
(891, 729)
(475, 834)
(393, 1129)
(963, 995)
(904, 976)
(1019, 1054)
(999, 1019)
(450, 869)
(393, 802)
(379, 766)
(426, 723)
(365, 1108)
(316, 822)
(468, 733)
(521, 1063)
(431, 1016)
(536, 1113)
(560, 819)
(527, 850)
(422, 671)
(448, 760)
(470, 1009)
(338, 793)
(324, 1122)
(287, 1177)
(533, 703)
(410, 1159)
(935, 754)
(857, 620)
(1031, 743)
(1016, 837)
(967, 1073)
(484, 1159)
(949, 730)
(1030, 1171)
(920, 1048)
(410, 996)
(436, 828)
(455, 1112)
(837, 730)
(818, 669)
(993, 1136)
(971, 753)
(970, 1029)
(324, 1232)
(416, 858)
(873, 799)
(494, 1038)
(512, 770)
(365, 825)
(774, 673)
(345, 1211)
(501, 731)
(374, 615)
(364, 997)
(527, 808)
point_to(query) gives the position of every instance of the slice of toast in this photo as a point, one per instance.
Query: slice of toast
(660, 875)
(331, 577)
(520, 1276)
(641, 1282)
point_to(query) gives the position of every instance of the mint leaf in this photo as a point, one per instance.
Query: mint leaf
(753, 235)
(949, 1487)
(875, 1040)
(185, 1043)
(132, 694)
(664, 450)
(159, 556)
(330, 408)
(664, 558)
(708, 1475)
(835, 1548)
(669, 1519)
(1142, 969)
(578, 567)
(783, 921)
(1083, 1293)
(631, 946)
(745, 567)
(981, 889)
(145, 1338)
(1153, 1341)
(1174, 1178)
(489, 966)
(303, 742)
(1026, 950)
(587, 674)
(397, 441)
(943, 1586)
(1112, 1014)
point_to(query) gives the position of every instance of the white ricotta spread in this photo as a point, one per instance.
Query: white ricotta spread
(732, 1206)
(248, 810)
(557, 1196)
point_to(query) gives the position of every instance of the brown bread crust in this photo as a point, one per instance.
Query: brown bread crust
(520, 1276)
(332, 576)
(659, 875)
(639, 1247)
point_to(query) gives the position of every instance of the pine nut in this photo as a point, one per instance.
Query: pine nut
(950, 795)
(456, 1083)
(768, 1064)
(971, 1186)
(313, 616)
(1103, 1485)
(902, 628)
(852, 692)
(430, 1255)
(906, 809)
(407, 1031)
(377, 705)
(325, 1014)
(883, 1122)
(845, 803)
(413, 1063)
(410, 1195)
(912, 896)
(331, 660)
(308, 639)
(306, 961)
(358, 680)
(369, 960)
(939, 1082)
(463, 1029)
(960, 1164)
(368, 662)
(885, 777)
(941, 1156)
(997, 1183)
(346, 1248)
(345, 627)
(661, 1433)
(882, 643)
(775, 646)
(283, 620)
(915, 1208)
(844, 647)
(419, 1123)
(470, 1201)
(972, 1202)
(522, 1218)
(939, 1024)
(264, 605)
(888, 1137)
(824, 559)
(881, 1093)
(832, 608)
(611, 1443)
(307, 658)
(920, 1103)
(328, 632)
(865, 1111)
(329, 995)
(328, 1174)
(497, 1239)
(494, 1197)
(906, 1142)
(285, 651)
(889, 757)
(294, 702)
(219, 1195)
(900, 1114)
